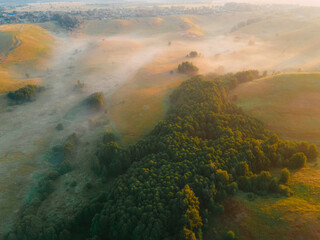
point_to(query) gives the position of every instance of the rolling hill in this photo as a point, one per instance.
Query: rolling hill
(24, 49)
(288, 104)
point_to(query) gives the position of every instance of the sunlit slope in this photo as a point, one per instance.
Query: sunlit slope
(288, 104)
(139, 104)
(175, 25)
(25, 51)
(295, 39)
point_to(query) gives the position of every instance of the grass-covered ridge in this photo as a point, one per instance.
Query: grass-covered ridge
(23, 48)
(288, 104)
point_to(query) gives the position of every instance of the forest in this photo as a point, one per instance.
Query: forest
(168, 184)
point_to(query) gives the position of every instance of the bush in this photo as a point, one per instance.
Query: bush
(25, 94)
(193, 54)
(108, 137)
(251, 196)
(188, 68)
(298, 160)
(285, 176)
(95, 100)
(79, 85)
(285, 190)
(232, 188)
(229, 235)
(218, 209)
(59, 127)
(312, 152)
(242, 169)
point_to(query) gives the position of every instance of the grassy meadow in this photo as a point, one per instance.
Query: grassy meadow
(24, 49)
(138, 105)
(288, 104)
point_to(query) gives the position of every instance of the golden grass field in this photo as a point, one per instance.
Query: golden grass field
(288, 104)
(29, 45)
(138, 105)
(175, 26)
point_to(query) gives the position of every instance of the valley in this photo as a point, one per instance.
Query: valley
(133, 63)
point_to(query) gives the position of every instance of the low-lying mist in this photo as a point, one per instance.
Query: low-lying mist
(82, 64)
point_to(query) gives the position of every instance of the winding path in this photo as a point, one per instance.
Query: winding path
(17, 43)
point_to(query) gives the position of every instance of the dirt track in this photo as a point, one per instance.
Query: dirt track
(16, 44)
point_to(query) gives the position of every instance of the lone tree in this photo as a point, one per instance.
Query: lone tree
(193, 54)
(188, 68)
(95, 100)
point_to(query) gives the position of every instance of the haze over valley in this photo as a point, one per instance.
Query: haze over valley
(148, 120)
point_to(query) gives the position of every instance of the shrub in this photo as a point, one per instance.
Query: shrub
(25, 94)
(232, 188)
(188, 68)
(59, 127)
(193, 54)
(108, 137)
(79, 85)
(95, 100)
(298, 160)
(285, 176)
(285, 190)
(218, 209)
(242, 169)
(251, 196)
(312, 152)
(229, 235)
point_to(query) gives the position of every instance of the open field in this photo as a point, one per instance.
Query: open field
(33, 45)
(288, 104)
(138, 105)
